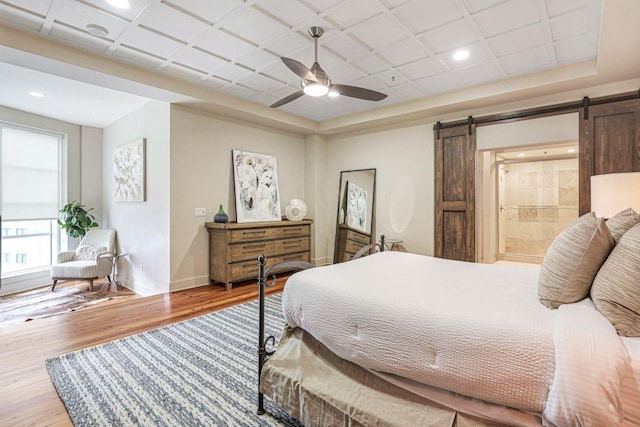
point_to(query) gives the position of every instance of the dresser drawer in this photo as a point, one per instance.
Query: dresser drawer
(293, 231)
(251, 234)
(251, 250)
(244, 270)
(302, 256)
(360, 238)
(288, 246)
(354, 247)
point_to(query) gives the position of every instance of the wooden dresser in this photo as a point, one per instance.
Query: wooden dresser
(349, 241)
(234, 248)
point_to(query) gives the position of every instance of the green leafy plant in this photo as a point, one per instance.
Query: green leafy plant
(76, 219)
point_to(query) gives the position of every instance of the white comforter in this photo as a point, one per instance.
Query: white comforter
(473, 329)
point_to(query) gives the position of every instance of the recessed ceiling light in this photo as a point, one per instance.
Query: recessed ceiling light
(37, 94)
(120, 4)
(460, 55)
(571, 150)
(520, 154)
(97, 30)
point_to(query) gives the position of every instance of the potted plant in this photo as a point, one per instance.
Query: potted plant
(76, 219)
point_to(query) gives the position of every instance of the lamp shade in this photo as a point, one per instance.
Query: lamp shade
(615, 192)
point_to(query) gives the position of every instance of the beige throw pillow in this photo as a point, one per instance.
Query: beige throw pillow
(573, 260)
(621, 222)
(616, 288)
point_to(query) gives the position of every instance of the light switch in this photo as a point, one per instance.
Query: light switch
(201, 212)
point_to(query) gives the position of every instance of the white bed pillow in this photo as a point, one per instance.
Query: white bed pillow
(573, 260)
(616, 288)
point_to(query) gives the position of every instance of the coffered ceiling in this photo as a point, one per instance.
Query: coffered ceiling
(403, 48)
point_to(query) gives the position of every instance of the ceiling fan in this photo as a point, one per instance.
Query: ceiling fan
(315, 82)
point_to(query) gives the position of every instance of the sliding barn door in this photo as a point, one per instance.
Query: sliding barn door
(609, 143)
(455, 170)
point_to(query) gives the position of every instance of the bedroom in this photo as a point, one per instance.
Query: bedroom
(168, 239)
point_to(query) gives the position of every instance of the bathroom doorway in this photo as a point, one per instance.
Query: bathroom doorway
(537, 192)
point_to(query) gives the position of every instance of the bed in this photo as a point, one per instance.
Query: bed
(404, 339)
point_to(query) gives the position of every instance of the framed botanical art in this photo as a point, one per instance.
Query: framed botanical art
(256, 187)
(129, 172)
(356, 207)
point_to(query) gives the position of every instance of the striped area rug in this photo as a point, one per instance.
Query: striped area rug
(200, 372)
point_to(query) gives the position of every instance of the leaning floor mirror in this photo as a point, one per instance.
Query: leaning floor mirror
(356, 213)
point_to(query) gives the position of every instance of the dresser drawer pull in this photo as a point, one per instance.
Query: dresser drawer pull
(292, 243)
(291, 257)
(254, 246)
(253, 233)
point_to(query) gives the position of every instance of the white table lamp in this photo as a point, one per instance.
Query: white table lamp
(615, 192)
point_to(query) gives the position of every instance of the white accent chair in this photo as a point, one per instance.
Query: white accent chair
(90, 261)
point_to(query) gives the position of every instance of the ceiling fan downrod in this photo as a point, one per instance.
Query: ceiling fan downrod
(316, 33)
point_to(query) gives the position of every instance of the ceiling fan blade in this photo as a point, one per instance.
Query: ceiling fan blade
(287, 99)
(359, 92)
(299, 69)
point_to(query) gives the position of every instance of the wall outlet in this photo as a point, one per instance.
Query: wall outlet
(201, 212)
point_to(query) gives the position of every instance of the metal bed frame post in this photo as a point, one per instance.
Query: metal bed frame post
(262, 343)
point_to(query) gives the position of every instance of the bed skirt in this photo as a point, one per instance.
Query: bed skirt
(318, 388)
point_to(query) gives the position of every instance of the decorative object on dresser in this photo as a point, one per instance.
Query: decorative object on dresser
(355, 218)
(221, 217)
(129, 171)
(256, 187)
(234, 247)
(296, 210)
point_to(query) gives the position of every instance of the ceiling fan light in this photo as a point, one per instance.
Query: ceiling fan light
(333, 93)
(314, 88)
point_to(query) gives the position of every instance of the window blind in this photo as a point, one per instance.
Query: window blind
(30, 174)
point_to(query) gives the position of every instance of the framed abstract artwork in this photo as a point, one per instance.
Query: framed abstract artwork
(356, 216)
(129, 172)
(256, 187)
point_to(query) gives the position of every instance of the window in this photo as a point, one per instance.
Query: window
(30, 174)
(6, 257)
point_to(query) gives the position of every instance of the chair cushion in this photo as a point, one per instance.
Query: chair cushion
(75, 270)
(86, 253)
(573, 260)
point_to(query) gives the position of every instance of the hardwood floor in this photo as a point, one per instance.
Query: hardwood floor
(27, 396)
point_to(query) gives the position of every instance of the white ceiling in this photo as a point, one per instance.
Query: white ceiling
(400, 47)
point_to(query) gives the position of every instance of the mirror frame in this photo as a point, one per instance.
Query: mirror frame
(372, 218)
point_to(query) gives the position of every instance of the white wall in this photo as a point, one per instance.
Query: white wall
(91, 170)
(543, 130)
(403, 159)
(142, 227)
(315, 182)
(202, 177)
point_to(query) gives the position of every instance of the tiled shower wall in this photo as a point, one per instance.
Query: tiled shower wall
(537, 201)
